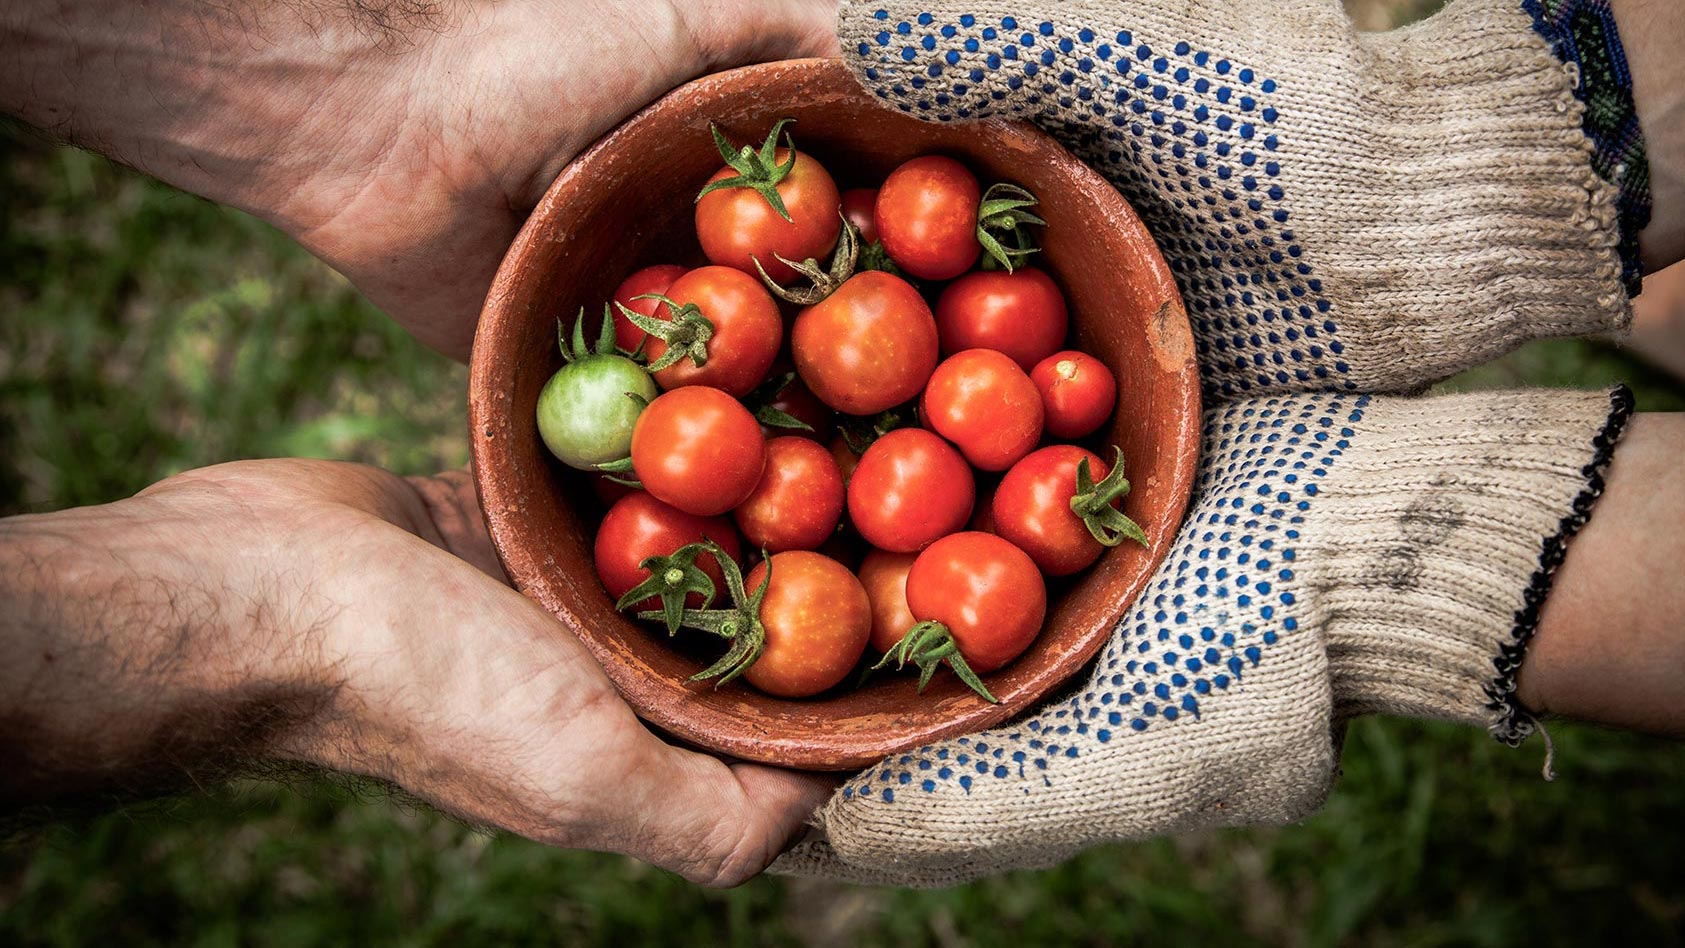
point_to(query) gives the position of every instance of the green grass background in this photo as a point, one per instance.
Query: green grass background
(144, 332)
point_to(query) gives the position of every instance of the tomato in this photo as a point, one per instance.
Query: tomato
(1021, 313)
(585, 414)
(737, 226)
(909, 489)
(639, 526)
(869, 346)
(845, 457)
(698, 449)
(1078, 392)
(652, 279)
(984, 403)
(985, 590)
(1032, 508)
(747, 330)
(799, 498)
(927, 217)
(859, 207)
(817, 620)
(884, 575)
(798, 401)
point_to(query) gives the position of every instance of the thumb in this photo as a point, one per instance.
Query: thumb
(717, 823)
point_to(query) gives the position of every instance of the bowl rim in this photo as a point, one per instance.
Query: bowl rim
(1170, 323)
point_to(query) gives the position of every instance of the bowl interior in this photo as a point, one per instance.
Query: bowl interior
(627, 203)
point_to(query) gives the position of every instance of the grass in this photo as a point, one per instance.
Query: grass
(146, 332)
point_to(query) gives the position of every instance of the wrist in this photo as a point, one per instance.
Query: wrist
(142, 648)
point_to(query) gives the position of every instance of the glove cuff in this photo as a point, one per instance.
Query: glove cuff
(1433, 561)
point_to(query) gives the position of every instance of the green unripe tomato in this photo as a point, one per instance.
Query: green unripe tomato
(585, 412)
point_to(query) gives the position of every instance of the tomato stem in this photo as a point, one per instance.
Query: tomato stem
(824, 282)
(613, 469)
(740, 625)
(760, 400)
(575, 349)
(928, 644)
(673, 578)
(860, 432)
(756, 170)
(686, 332)
(1093, 503)
(1005, 209)
(874, 257)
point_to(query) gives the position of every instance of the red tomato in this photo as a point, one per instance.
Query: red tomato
(1078, 393)
(639, 526)
(1021, 313)
(737, 226)
(984, 403)
(653, 279)
(927, 217)
(884, 575)
(747, 331)
(798, 501)
(869, 346)
(985, 590)
(909, 489)
(698, 449)
(1032, 508)
(799, 402)
(859, 206)
(817, 620)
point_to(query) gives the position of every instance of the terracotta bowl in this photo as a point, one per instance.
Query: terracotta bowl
(627, 202)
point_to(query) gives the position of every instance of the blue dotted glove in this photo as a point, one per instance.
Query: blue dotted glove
(1343, 211)
(1345, 555)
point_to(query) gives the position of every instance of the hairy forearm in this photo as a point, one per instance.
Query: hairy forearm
(209, 97)
(1610, 646)
(134, 656)
(1653, 33)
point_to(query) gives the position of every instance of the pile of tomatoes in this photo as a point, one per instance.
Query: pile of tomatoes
(866, 422)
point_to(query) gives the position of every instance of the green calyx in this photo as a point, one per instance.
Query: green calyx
(756, 170)
(860, 431)
(672, 579)
(740, 625)
(1093, 503)
(1005, 211)
(760, 401)
(824, 281)
(874, 257)
(575, 348)
(620, 471)
(686, 332)
(927, 645)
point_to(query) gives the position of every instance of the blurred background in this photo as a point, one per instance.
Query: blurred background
(144, 332)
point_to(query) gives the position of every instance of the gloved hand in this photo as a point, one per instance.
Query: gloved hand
(1345, 555)
(1346, 211)
(1343, 212)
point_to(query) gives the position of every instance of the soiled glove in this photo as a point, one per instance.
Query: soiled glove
(1346, 211)
(1344, 555)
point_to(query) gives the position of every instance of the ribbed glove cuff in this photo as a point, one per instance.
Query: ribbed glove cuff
(1432, 559)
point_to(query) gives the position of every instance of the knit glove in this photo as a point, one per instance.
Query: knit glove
(1344, 555)
(1342, 210)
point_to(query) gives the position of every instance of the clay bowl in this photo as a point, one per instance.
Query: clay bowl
(626, 203)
